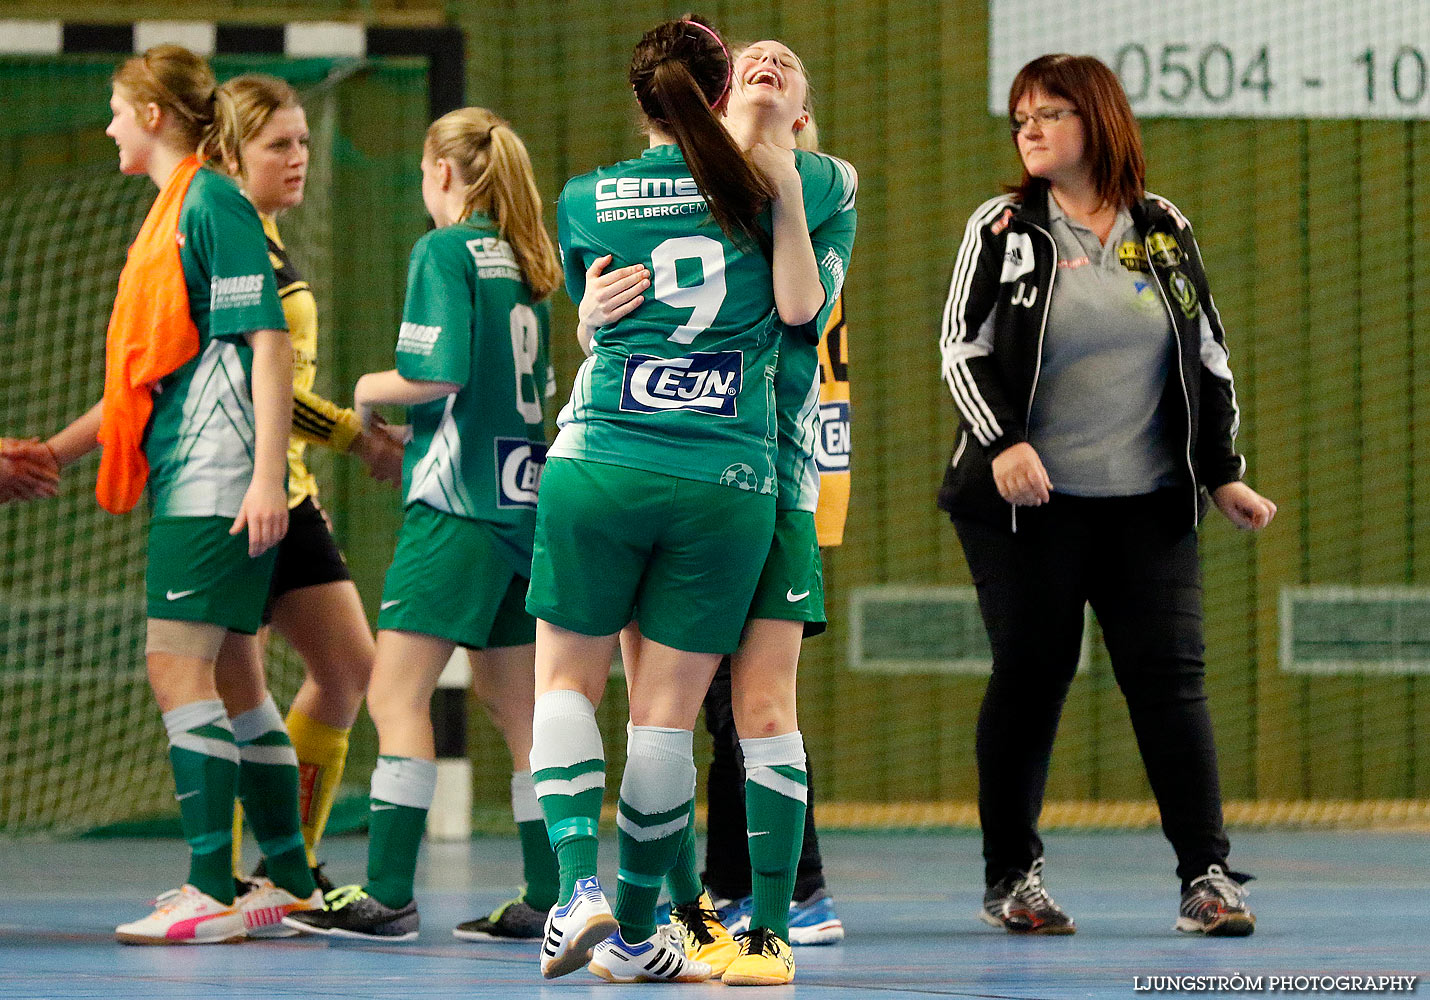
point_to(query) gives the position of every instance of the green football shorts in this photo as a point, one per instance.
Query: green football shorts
(615, 545)
(198, 572)
(791, 586)
(449, 579)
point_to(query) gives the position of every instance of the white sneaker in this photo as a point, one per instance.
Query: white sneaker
(575, 927)
(265, 905)
(185, 916)
(655, 960)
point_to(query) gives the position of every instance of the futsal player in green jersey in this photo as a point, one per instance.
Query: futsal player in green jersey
(769, 104)
(472, 369)
(312, 601)
(214, 445)
(658, 504)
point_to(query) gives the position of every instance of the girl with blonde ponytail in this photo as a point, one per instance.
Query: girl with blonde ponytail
(472, 370)
(196, 412)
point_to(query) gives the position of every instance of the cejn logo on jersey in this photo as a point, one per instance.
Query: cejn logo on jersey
(708, 382)
(831, 447)
(519, 465)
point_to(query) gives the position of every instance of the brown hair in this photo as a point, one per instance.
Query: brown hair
(177, 80)
(681, 72)
(243, 106)
(1114, 141)
(492, 161)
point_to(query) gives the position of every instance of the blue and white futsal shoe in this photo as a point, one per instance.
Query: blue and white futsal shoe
(575, 927)
(810, 922)
(814, 921)
(657, 959)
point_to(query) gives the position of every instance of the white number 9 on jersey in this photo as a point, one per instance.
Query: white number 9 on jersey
(704, 300)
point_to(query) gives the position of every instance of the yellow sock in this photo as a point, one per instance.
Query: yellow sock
(322, 752)
(238, 871)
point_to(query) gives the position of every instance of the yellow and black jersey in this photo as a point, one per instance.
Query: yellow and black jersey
(315, 419)
(834, 442)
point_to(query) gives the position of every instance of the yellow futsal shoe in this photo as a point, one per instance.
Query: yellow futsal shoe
(765, 959)
(703, 935)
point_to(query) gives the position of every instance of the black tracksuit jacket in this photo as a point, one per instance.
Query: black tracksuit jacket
(994, 322)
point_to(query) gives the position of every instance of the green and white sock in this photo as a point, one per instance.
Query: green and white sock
(402, 790)
(683, 879)
(268, 789)
(657, 794)
(568, 768)
(205, 759)
(776, 791)
(538, 860)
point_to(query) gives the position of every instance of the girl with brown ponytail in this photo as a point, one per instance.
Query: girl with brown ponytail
(658, 502)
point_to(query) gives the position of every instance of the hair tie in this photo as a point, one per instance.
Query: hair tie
(729, 66)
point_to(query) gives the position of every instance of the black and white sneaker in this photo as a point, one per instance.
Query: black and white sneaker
(350, 912)
(657, 959)
(1019, 904)
(1214, 904)
(514, 920)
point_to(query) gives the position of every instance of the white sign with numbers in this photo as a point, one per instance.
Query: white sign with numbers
(1230, 58)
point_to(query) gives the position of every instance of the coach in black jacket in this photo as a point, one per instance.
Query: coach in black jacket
(1089, 368)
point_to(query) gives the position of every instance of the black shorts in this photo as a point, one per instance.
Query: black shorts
(307, 557)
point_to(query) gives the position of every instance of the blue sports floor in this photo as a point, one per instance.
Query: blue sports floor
(1352, 903)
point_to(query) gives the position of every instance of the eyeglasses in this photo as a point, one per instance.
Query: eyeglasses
(1043, 116)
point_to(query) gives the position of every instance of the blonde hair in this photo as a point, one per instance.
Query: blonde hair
(243, 106)
(808, 137)
(491, 160)
(177, 80)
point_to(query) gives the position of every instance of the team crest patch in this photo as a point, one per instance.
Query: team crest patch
(1165, 250)
(1184, 294)
(1133, 256)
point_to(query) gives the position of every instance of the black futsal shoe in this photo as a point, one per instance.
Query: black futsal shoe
(1018, 903)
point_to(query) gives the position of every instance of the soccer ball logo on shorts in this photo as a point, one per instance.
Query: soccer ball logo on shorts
(742, 476)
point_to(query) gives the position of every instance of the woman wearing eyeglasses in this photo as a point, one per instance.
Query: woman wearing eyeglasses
(1089, 368)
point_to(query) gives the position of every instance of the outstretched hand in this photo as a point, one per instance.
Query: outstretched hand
(28, 470)
(381, 452)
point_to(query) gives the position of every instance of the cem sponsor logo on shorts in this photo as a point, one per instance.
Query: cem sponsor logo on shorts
(706, 382)
(831, 445)
(519, 464)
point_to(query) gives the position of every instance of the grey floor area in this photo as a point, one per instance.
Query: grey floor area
(1329, 904)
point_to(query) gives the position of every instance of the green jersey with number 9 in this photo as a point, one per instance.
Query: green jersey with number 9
(684, 385)
(469, 319)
